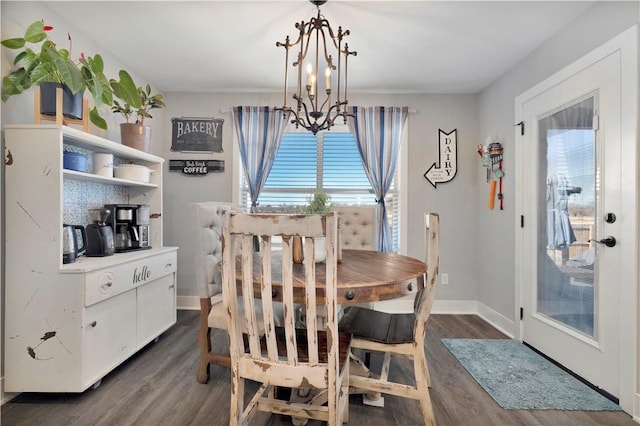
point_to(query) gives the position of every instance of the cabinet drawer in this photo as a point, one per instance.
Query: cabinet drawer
(105, 283)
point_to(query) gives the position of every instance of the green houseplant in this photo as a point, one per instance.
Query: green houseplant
(44, 64)
(136, 102)
(318, 203)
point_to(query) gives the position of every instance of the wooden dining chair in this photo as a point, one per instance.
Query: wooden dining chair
(401, 335)
(308, 358)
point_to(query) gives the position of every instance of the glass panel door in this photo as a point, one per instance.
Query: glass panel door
(567, 290)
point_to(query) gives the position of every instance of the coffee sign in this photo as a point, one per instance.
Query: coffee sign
(196, 167)
(196, 134)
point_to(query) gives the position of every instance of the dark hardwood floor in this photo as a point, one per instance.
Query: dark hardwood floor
(158, 387)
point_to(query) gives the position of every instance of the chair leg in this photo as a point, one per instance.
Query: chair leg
(422, 384)
(426, 369)
(344, 394)
(237, 398)
(204, 341)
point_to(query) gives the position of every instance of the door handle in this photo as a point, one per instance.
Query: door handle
(607, 241)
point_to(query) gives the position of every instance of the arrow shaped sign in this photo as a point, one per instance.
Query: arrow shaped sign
(447, 166)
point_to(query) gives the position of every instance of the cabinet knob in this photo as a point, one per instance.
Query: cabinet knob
(108, 284)
(93, 323)
(172, 286)
(168, 265)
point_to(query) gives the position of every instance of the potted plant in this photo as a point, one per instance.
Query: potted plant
(47, 66)
(318, 203)
(136, 102)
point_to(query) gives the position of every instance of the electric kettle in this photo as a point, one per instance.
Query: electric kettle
(74, 243)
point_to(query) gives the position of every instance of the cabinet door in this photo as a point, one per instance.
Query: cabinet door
(110, 335)
(156, 308)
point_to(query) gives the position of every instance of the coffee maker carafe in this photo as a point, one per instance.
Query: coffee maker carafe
(99, 234)
(130, 224)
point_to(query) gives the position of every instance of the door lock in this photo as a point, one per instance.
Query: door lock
(610, 217)
(607, 241)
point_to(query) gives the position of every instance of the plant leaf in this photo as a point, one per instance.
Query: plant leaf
(107, 94)
(126, 89)
(96, 64)
(13, 43)
(96, 119)
(35, 33)
(69, 72)
(14, 83)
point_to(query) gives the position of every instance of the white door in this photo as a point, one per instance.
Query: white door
(577, 229)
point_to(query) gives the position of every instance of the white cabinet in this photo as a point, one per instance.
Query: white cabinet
(68, 325)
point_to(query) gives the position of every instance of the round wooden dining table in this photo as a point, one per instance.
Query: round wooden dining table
(364, 276)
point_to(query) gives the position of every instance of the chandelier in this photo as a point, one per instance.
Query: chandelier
(310, 100)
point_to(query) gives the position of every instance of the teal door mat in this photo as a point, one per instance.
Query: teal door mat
(518, 378)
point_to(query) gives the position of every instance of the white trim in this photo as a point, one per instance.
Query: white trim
(636, 408)
(405, 304)
(454, 307)
(403, 189)
(188, 303)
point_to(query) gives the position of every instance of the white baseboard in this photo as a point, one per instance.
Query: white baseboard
(405, 304)
(188, 303)
(636, 407)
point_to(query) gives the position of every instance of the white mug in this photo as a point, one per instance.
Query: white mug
(103, 164)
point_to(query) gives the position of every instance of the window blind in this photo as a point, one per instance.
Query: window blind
(329, 162)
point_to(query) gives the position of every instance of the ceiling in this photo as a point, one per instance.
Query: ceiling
(403, 46)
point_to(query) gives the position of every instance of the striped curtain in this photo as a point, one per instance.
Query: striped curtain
(259, 130)
(378, 132)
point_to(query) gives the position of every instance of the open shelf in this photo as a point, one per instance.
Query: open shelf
(89, 177)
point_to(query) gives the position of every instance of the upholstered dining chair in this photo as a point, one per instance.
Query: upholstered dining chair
(357, 226)
(401, 335)
(304, 358)
(208, 218)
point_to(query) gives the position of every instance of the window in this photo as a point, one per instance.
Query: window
(329, 162)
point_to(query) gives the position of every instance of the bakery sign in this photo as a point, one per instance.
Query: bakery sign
(191, 134)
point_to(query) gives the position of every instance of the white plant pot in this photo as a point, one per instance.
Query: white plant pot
(320, 250)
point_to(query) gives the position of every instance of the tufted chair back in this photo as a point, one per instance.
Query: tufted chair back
(208, 221)
(357, 227)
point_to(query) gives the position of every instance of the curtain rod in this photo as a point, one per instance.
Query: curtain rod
(228, 110)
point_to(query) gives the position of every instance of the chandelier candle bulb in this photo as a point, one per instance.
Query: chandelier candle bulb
(309, 73)
(327, 75)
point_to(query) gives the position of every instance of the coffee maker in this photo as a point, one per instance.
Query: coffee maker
(99, 234)
(130, 225)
